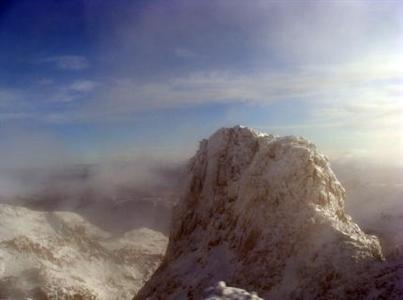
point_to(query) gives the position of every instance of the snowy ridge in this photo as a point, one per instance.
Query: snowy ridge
(59, 255)
(266, 214)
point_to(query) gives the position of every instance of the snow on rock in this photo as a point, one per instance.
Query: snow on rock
(266, 214)
(223, 292)
(59, 255)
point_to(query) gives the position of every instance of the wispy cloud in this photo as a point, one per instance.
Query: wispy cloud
(13, 105)
(368, 87)
(47, 100)
(45, 81)
(7, 96)
(364, 85)
(68, 62)
(11, 116)
(83, 86)
(76, 90)
(185, 53)
(342, 60)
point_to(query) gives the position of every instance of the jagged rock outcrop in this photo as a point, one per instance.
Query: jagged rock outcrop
(59, 255)
(266, 214)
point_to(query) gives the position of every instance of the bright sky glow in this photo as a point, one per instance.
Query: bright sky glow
(111, 77)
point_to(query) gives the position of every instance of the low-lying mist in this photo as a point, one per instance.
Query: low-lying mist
(114, 195)
(118, 195)
(374, 199)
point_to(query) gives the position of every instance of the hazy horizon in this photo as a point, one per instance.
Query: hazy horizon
(85, 81)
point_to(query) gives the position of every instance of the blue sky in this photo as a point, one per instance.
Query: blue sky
(101, 78)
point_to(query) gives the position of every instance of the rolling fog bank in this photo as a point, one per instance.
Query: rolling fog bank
(119, 195)
(116, 195)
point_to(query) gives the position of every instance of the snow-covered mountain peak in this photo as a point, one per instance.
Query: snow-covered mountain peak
(263, 213)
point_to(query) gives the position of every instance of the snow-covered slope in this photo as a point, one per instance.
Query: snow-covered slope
(266, 214)
(59, 255)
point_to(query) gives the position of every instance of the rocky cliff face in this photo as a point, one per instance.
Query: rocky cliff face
(59, 255)
(266, 214)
